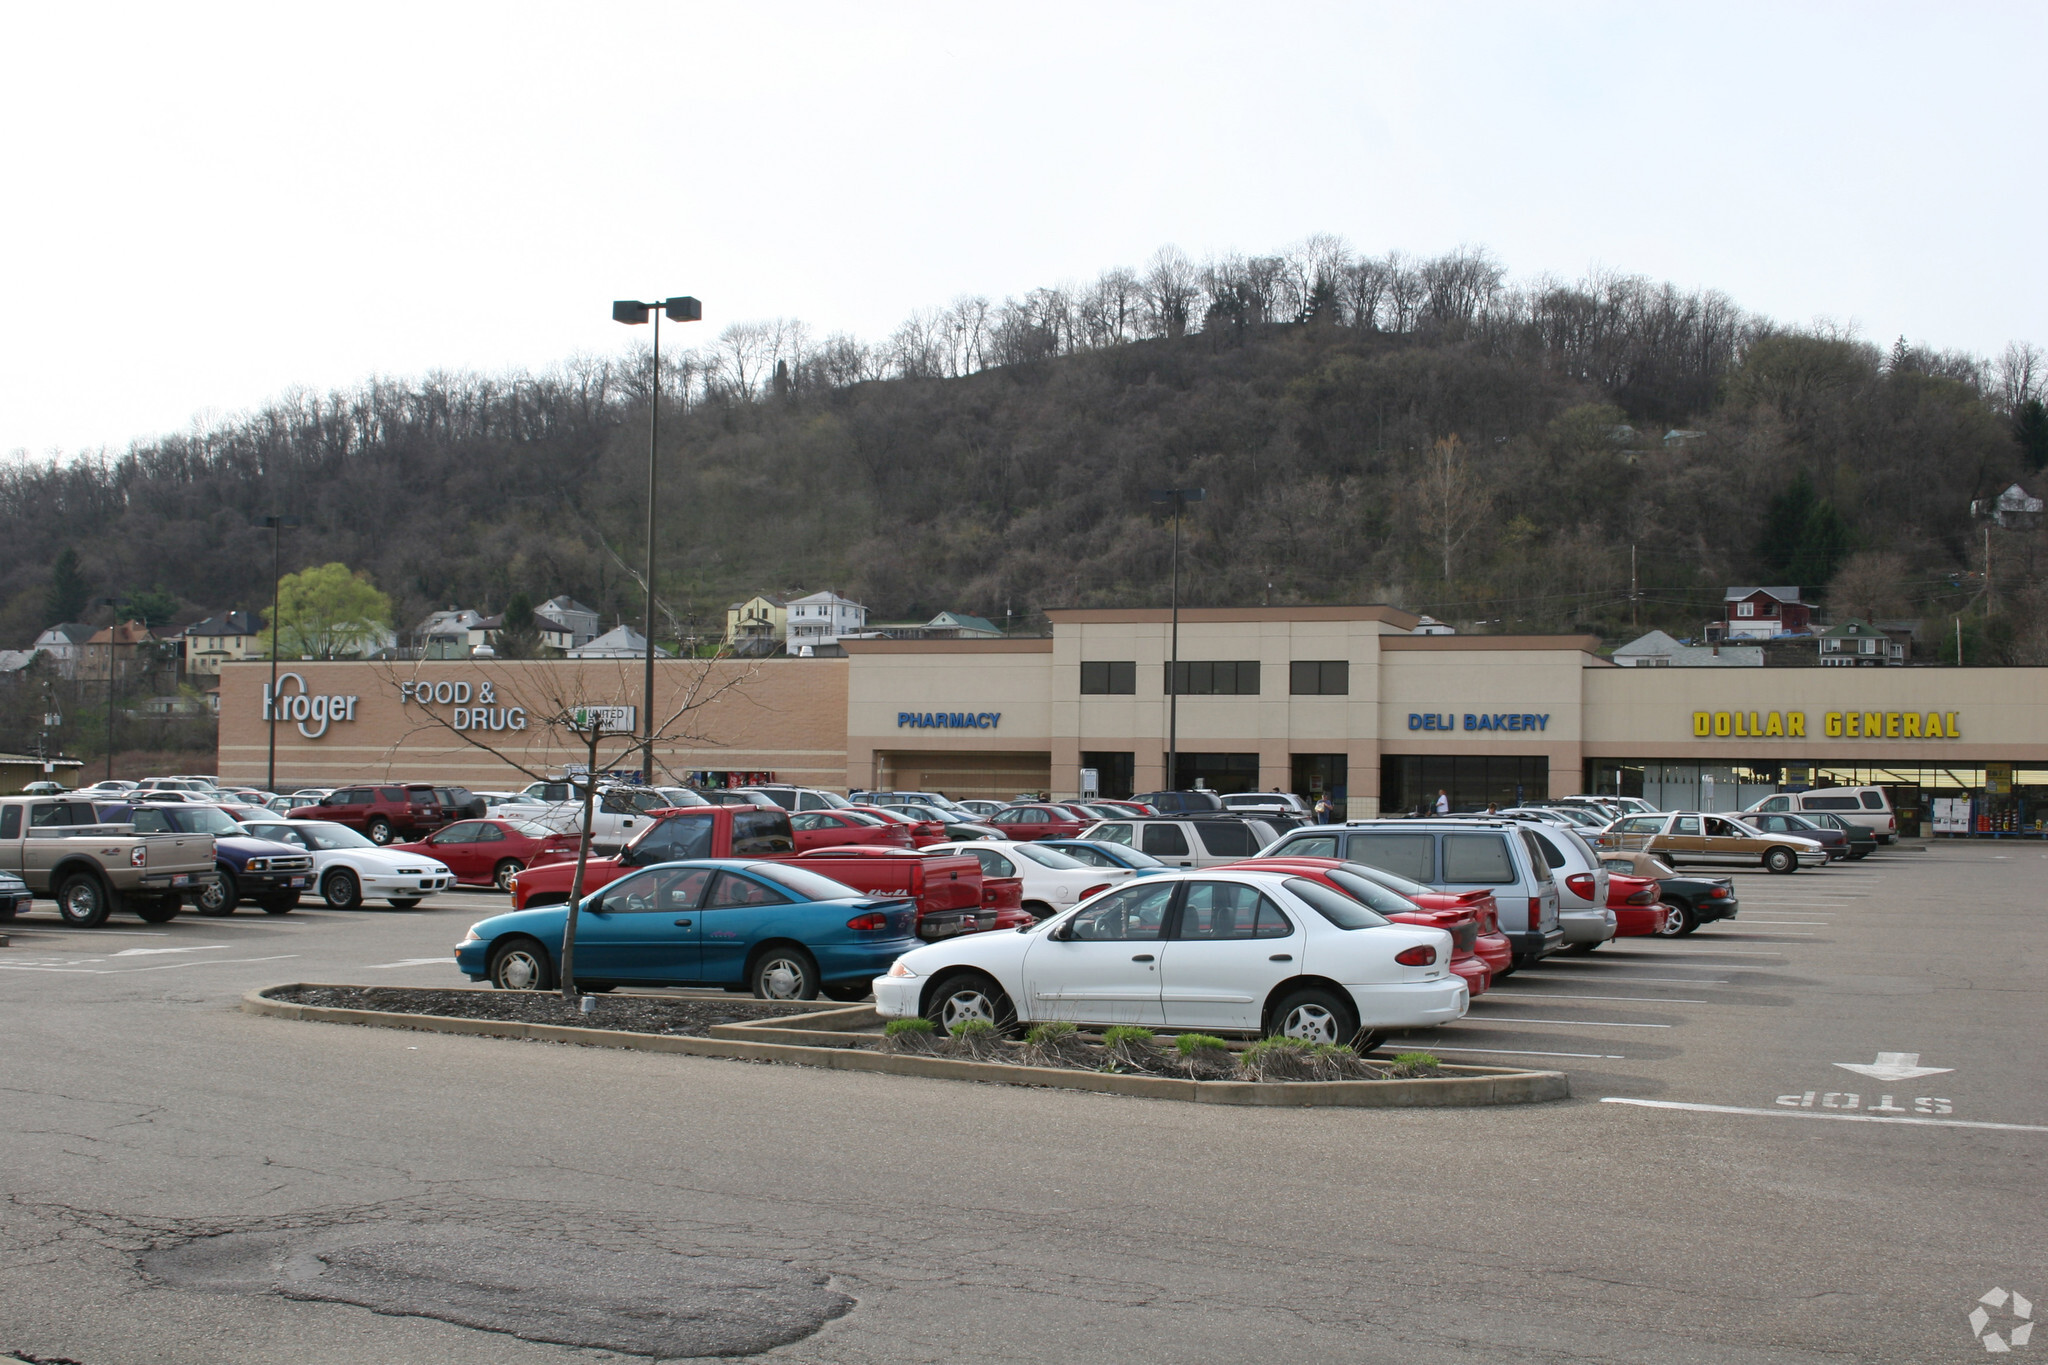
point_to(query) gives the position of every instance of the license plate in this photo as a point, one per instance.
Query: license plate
(182, 879)
(298, 882)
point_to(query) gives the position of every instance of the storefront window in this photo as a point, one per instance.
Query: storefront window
(1410, 782)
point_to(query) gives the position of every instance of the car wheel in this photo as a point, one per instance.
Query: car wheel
(341, 890)
(1781, 860)
(380, 832)
(82, 902)
(279, 905)
(222, 897)
(970, 995)
(785, 974)
(1314, 1015)
(502, 875)
(404, 902)
(522, 965)
(1679, 921)
(161, 910)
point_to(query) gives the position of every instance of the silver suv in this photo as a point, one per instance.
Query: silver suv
(1454, 854)
(1191, 841)
(1581, 883)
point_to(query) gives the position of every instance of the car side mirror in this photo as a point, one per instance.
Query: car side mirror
(1062, 933)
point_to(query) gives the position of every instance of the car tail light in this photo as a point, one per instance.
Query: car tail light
(139, 856)
(1646, 896)
(1890, 823)
(1535, 912)
(1421, 955)
(1582, 885)
(1094, 890)
(871, 920)
(1717, 893)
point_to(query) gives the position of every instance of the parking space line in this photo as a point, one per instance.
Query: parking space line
(127, 971)
(443, 961)
(1586, 1023)
(1720, 952)
(1545, 995)
(1837, 1118)
(1788, 921)
(1510, 1052)
(1648, 980)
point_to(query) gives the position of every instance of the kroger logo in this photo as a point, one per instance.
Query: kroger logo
(304, 707)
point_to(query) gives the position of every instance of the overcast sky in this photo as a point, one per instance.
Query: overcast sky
(207, 206)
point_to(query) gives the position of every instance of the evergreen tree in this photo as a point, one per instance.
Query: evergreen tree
(1785, 521)
(2030, 429)
(66, 597)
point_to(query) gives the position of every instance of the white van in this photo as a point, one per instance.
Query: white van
(1870, 807)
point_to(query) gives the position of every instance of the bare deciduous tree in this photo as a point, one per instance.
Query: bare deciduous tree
(1449, 499)
(1172, 284)
(534, 718)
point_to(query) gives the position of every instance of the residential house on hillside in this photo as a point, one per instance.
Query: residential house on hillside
(758, 625)
(1760, 613)
(2015, 507)
(227, 638)
(621, 642)
(566, 623)
(1658, 650)
(822, 618)
(1859, 644)
(65, 644)
(124, 648)
(451, 634)
(958, 625)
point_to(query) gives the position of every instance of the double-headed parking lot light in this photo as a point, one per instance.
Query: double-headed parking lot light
(634, 312)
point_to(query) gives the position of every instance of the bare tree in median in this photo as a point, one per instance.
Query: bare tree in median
(549, 716)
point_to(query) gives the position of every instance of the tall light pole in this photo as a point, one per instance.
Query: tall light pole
(114, 602)
(276, 525)
(633, 312)
(1180, 498)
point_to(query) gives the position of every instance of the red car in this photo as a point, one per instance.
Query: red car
(1636, 908)
(1127, 807)
(1040, 820)
(1460, 920)
(489, 852)
(954, 895)
(922, 832)
(836, 828)
(1493, 946)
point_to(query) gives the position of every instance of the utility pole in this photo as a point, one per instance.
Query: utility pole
(1635, 608)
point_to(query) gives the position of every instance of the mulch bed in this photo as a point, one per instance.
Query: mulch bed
(627, 1013)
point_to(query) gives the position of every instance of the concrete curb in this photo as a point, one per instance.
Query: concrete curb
(1475, 1085)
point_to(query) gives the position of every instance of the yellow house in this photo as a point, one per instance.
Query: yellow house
(758, 625)
(228, 638)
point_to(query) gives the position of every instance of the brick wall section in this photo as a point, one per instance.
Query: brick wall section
(785, 716)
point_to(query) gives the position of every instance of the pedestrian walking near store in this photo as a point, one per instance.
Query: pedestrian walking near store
(1324, 810)
(1443, 802)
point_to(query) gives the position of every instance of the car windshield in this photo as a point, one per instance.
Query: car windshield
(812, 886)
(1131, 857)
(678, 797)
(1393, 881)
(1334, 906)
(525, 827)
(200, 820)
(325, 835)
(1047, 857)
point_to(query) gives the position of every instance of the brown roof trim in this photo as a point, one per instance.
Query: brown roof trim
(1364, 611)
(1028, 646)
(1586, 644)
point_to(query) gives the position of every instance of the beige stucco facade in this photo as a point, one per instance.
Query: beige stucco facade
(998, 717)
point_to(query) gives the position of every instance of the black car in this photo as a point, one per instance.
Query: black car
(1177, 803)
(1699, 900)
(1862, 839)
(1805, 827)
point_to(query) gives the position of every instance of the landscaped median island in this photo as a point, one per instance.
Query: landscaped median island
(1126, 1059)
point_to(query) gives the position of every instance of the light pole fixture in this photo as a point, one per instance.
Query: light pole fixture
(1180, 498)
(277, 524)
(633, 312)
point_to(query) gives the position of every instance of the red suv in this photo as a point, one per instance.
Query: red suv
(383, 812)
(1042, 820)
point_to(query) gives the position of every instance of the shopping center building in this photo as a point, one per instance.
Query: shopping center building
(1342, 700)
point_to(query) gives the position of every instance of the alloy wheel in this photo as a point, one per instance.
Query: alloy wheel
(782, 978)
(1311, 1023)
(963, 1005)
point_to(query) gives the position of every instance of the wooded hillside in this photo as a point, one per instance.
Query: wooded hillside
(1369, 429)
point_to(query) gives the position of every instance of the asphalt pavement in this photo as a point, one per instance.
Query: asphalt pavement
(1812, 1134)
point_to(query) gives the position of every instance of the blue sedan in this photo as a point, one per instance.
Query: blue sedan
(1103, 853)
(782, 930)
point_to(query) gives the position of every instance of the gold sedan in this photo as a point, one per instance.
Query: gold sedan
(1691, 836)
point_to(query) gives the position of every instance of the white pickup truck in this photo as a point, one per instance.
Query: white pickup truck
(58, 847)
(621, 812)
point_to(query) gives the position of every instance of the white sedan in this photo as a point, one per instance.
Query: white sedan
(1220, 950)
(1052, 881)
(348, 869)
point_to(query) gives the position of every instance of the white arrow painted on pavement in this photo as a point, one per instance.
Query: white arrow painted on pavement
(1894, 1066)
(142, 952)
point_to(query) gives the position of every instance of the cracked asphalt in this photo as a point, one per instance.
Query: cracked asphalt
(145, 1124)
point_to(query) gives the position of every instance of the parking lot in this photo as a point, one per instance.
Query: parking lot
(1723, 1186)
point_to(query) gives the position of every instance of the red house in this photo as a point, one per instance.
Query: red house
(1760, 613)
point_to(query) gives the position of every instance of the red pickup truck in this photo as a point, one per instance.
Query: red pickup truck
(953, 896)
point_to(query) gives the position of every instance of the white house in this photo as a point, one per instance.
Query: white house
(1658, 650)
(823, 617)
(622, 642)
(65, 643)
(566, 623)
(2014, 507)
(451, 634)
